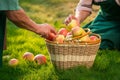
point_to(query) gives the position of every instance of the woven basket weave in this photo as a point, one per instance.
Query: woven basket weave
(68, 55)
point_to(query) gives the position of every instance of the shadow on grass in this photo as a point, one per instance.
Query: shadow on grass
(11, 73)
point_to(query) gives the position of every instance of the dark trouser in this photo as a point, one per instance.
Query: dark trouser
(2, 33)
(5, 39)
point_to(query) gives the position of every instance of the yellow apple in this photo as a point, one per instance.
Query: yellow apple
(85, 38)
(60, 38)
(77, 31)
(72, 24)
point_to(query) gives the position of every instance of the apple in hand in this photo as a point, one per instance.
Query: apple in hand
(28, 56)
(51, 37)
(72, 24)
(63, 31)
(93, 38)
(13, 62)
(40, 59)
(60, 38)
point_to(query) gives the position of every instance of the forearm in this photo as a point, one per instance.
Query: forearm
(19, 18)
(82, 15)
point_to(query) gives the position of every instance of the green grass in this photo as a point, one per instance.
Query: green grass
(19, 41)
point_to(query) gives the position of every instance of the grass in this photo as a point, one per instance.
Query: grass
(106, 65)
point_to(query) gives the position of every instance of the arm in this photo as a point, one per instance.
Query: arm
(19, 18)
(82, 15)
(82, 11)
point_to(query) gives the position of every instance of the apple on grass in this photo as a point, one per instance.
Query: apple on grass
(60, 38)
(72, 24)
(40, 59)
(63, 31)
(28, 56)
(13, 62)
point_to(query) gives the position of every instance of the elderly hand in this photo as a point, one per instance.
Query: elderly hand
(47, 31)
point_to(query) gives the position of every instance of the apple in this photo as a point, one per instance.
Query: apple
(77, 31)
(60, 38)
(85, 38)
(72, 24)
(6, 57)
(13, 62)
(68, 37)
(40, 59)
(28, 56)
(51, 37)
(93, 38)
(69, 33)
(63, 31)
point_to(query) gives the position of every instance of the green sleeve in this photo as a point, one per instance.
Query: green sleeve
(9, 5)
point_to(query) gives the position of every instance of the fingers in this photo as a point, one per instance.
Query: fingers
(50, 32)
(51, 36)
(53, 30)
(69, 18)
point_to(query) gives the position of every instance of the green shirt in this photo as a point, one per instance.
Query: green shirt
(9, 5)
(107, 24)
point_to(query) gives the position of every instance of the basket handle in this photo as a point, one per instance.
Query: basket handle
(93, 42)
(87, 32)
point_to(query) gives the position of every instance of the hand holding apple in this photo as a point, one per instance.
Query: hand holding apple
(51, 37)
(72, 24)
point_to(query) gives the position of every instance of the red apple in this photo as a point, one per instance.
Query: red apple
(63, 31)
(93, 38)
(40, 59)
(60, 38)
(51, 37)
(13, 62)
(28, 56)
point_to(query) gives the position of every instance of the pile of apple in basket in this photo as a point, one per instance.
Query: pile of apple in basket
(73, 46)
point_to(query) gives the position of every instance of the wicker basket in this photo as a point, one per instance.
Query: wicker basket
(68, 55)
